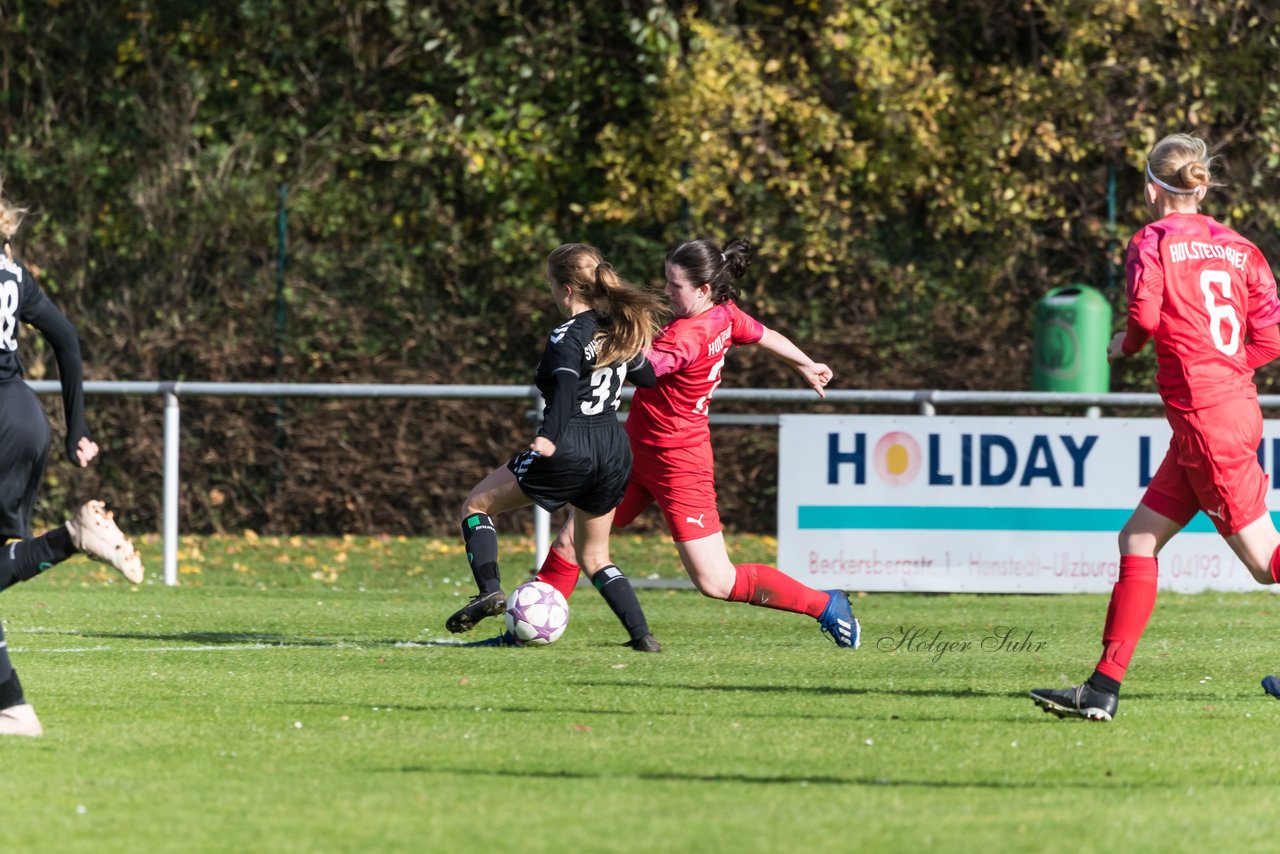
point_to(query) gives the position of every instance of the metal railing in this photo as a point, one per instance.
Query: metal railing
(926, 402)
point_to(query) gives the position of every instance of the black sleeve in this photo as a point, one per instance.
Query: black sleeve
(640, 372)
(560, 406)
(61, 335)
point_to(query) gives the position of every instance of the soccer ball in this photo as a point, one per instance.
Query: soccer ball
(537, 614)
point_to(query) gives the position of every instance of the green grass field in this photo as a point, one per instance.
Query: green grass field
(291, 697)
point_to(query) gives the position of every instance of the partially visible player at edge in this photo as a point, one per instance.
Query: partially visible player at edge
(1207, 297)
(24, 450)
(671, 440)
(580, 454)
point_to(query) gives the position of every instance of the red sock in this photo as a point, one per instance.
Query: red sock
(559, 573)
(768, 587)
(1275, 565)
(1132, 600)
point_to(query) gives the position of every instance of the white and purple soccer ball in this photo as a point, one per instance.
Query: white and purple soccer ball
(537, 613)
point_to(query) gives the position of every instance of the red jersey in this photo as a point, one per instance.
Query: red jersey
(1199, 289)
(688, 356)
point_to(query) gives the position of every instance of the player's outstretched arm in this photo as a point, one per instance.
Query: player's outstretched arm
(816, 375)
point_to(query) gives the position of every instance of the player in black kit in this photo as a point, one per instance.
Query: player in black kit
(580, 455)
(24, 450)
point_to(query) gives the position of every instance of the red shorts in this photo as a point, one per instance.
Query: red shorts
(1212, 465)
(681, 480)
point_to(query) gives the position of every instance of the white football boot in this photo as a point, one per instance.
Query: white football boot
(20, 720)
(94, 532)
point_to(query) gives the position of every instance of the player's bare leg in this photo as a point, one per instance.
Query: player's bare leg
(707, 562)
(1256, 545)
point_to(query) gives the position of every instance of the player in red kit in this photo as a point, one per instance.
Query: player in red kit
(671, 440)
(1207, 298)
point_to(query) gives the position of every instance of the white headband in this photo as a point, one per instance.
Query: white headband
(1166, 186)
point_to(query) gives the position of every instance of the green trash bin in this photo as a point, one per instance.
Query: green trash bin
(1073, 330)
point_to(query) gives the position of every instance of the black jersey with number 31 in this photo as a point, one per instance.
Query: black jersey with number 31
(570, 382)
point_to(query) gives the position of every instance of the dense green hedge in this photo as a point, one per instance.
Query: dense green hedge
(916, 175)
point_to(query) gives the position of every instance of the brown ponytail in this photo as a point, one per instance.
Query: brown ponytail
(704, 261)
(633, 315)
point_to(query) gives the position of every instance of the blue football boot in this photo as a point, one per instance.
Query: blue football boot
(837, 621)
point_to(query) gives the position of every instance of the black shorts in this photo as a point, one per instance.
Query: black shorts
(24, 451)
(589, 468)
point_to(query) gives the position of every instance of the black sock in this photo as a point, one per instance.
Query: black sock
(617, 591)
(22, 560)
(10, 687)
(1103, 682)
(481, 539)
(11, 691)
